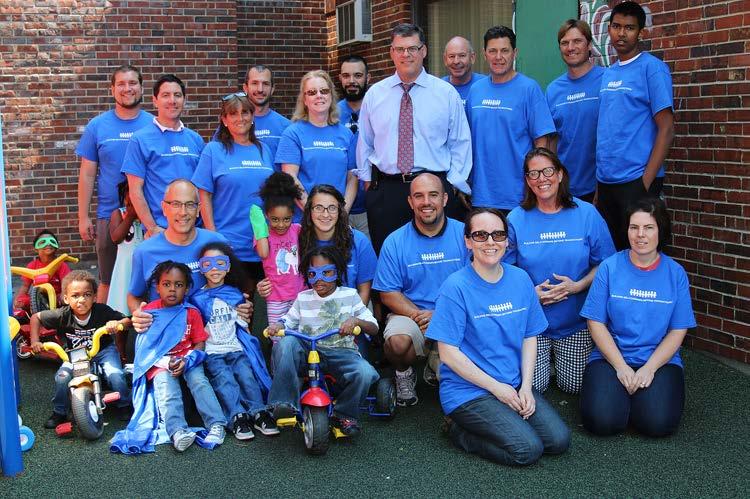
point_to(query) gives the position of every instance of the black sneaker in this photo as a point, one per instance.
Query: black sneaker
(241, 427)
(54, 420)
(283, 411)
(348, 427)
(265, 424)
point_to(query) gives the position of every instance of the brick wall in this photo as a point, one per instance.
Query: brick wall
(57, 57)
(706, 45)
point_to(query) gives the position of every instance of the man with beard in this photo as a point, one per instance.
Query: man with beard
(414, 261)
(636, 122)
(269, 125)
(459, 58)
(161, 152)
(101, 148)
(354, 79)
(573, 100)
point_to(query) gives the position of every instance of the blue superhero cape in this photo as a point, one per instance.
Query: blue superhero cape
(145, 429)
(203, 300)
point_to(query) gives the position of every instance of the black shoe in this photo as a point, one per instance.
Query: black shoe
(348, 427)
(241, 427)
(265, 424)
(283, 411)
(54, 420)
(125, 413)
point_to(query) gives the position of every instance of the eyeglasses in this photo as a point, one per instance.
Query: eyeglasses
(410, 50)
(235, 94)
(481, 236)
(332, 209)
(177, 205)
(315, 91)
(45, 241)
(547, 172)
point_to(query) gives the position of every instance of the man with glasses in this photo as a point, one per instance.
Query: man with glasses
(355, 79)
(160, 153)
(410, 122)
(573, 100)
(414, 261)
(636, 122)
(508, 115)
(101, 148)
(459, 58)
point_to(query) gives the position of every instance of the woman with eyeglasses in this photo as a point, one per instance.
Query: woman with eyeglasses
(559, 241)
(230, 172)
(316, 148)
(486, 322)
(638, 310)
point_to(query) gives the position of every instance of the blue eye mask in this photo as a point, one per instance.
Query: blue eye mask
(315, 274)
(218, 262)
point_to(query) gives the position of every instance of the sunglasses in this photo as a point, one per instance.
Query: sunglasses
(218, 262)
(45, 241)
(326, 273)
(232, 95)
(481, 236)
(315, 91)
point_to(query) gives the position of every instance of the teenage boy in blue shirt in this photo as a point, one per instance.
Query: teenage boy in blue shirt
(636, 122)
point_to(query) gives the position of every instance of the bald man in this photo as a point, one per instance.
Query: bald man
(459, 58)
(415, 260)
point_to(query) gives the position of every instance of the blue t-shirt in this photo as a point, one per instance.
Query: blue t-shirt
(630, 96)
(157, 249)
(639, 307)
(362, 263)
(104, 141)
(324, 154)
(574, 104)
(488, 322)
(345, 118)
(416, 265)
(567, 243)
(234, 179)
(159, 158)
(463, 90)
(269, 128)
(505, 118)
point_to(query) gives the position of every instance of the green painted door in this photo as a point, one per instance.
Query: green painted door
(537, 22)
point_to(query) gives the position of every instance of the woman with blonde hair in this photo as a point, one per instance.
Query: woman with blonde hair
(316, 148)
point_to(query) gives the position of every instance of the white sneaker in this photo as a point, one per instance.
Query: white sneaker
(406, 394)
(182, 439)
(216, 434)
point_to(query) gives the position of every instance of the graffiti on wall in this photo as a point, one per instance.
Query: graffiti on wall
(596, 14)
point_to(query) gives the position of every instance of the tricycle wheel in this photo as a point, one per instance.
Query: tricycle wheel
(85, 413)
(39, 300)
(385, 397)
(316, 429)
(23, 351)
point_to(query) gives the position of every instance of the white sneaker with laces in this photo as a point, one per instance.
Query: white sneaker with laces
(216, 434)
(182, 439)
(406, 394)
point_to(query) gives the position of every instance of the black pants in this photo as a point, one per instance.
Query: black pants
(614, 200)
(388, 209)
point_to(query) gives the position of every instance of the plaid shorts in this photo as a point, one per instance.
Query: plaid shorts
(569, 355)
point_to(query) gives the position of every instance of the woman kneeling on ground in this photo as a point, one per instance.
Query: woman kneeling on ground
(638, 310)
(486, 321)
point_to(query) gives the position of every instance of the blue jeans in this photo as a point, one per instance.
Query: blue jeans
(353, 374)
(606, 406)
(109, 359)
(169, 399)
(232, 377)
(491, 429)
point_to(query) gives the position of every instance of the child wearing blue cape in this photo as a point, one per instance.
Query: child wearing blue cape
(234, 362)
(170, 348)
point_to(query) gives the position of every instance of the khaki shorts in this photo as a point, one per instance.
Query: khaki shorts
(400, 324)
(106, 251)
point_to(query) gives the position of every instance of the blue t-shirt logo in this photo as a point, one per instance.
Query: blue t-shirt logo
(643, 294)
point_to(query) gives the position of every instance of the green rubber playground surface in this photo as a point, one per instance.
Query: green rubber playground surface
(406, 457)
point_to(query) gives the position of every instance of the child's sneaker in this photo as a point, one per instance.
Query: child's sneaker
(265, 424)
(215, 435)
(54, 420)
(283, 411)
(406, 394)
(241, 427)
(182, 439)
(348, 426)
